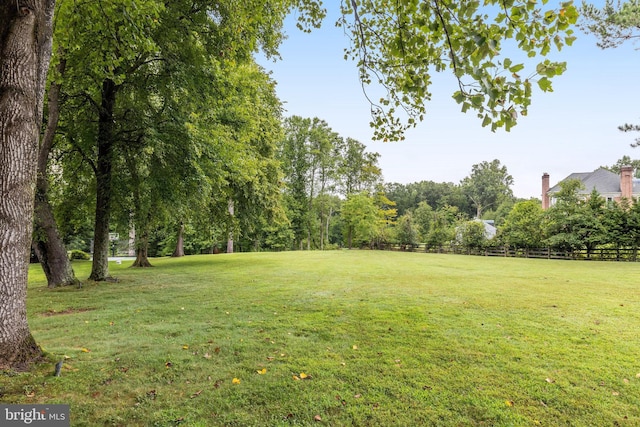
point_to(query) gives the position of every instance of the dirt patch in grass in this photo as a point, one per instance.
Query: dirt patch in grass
(69, 310)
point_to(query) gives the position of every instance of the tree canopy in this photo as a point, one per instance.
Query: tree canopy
(488, 184)
(400, 45)
(615, 23)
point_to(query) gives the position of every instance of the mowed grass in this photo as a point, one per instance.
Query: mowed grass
(383, 338)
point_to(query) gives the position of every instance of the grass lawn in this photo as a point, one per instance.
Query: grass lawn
(341, 338)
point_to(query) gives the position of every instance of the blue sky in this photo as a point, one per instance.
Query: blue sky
(573, 129)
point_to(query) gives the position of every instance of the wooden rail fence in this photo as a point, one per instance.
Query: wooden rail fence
(600, 254)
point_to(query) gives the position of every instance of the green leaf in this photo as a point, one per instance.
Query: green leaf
(516, 68)
(545, 84)
(459, 97)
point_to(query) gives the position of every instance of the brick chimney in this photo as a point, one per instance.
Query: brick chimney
(626, 182)
(545, 190)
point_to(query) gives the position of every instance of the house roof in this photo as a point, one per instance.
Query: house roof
(489, 229)
(603, 180)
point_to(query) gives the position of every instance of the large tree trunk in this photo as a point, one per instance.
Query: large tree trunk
(179, 251)
(47, 243)
(25, 51)
(100, 266)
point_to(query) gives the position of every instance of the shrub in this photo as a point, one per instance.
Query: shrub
(471, 235)
(78, 254)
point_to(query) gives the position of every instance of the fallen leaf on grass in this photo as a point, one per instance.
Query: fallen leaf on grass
(355, 347)
(302, 376)
(185, 347)
(196, 394)
(168, 365)
(550, 381)
(317, 418)
(207, 356)
(235, 381)
(85, 350)
(262, 371)
(509, 402)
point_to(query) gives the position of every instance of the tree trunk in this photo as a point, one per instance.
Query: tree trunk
(132, 237)
(142, 250)
(100, 267)
(141, 222)
(327, 225)
(25, 51)
(180, 242)
(321, 232)
(230, 238)
(47, 243)
(49, 248)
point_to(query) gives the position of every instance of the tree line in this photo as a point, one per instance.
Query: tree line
(291, 197)
(573, 223)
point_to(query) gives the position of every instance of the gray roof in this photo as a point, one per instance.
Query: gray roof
(604, 182)
(490, 230)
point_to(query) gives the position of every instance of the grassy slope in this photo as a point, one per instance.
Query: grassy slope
(386, 339)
